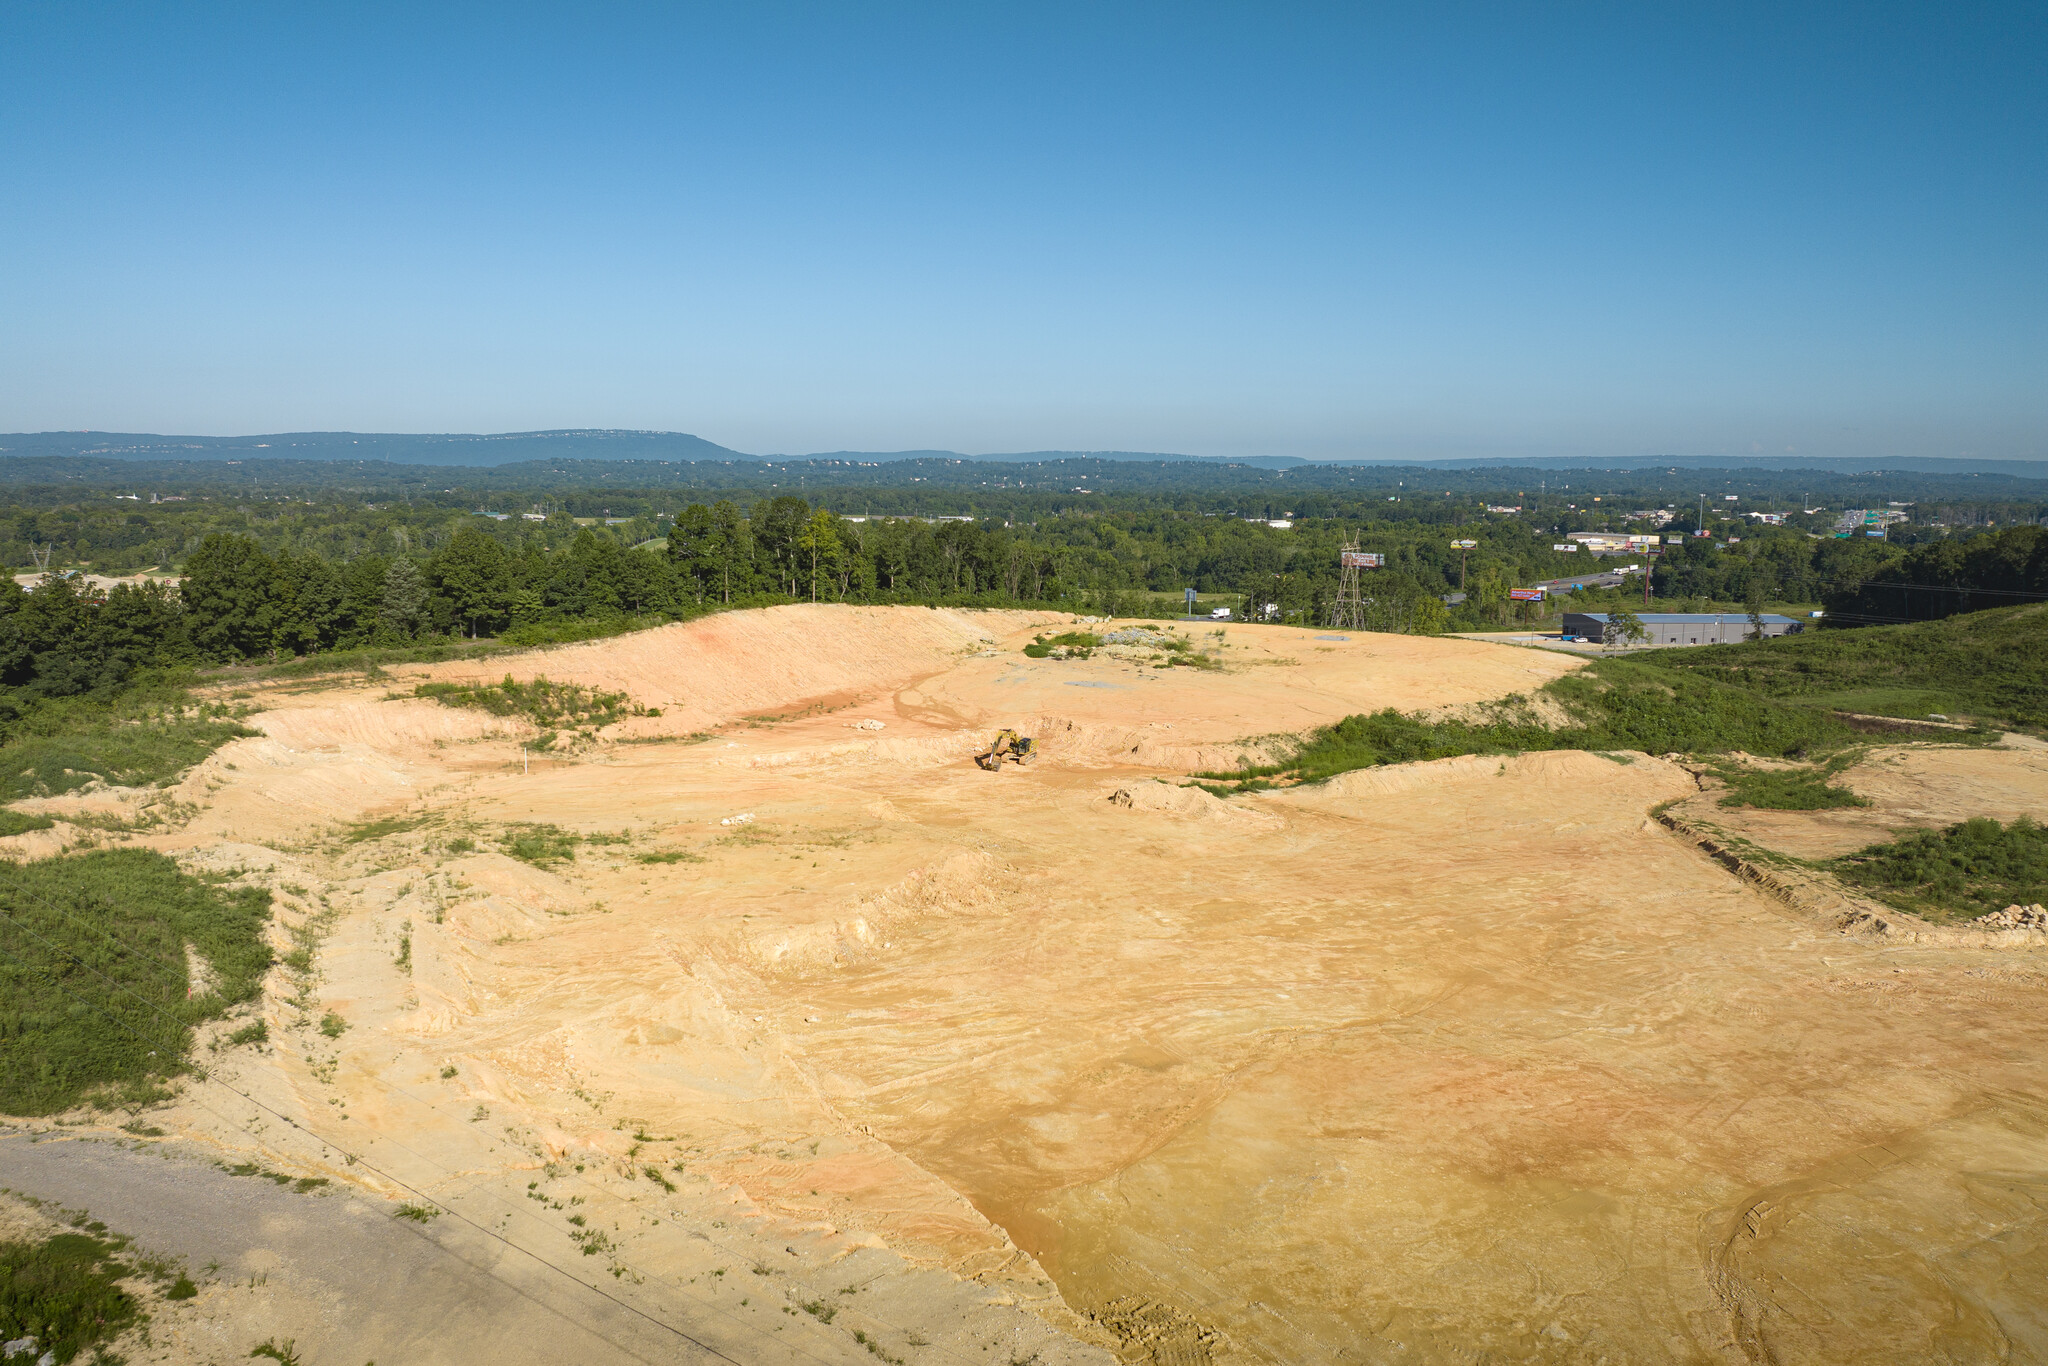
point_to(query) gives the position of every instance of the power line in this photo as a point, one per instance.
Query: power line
(386, 1175)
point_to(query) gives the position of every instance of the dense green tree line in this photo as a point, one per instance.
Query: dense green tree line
(1863, 582)
(241, 598)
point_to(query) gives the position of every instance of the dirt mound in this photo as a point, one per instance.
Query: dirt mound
(1186, 803)
(392, 727)
(721, 668)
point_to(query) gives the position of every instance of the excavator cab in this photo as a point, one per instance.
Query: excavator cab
(1008, 745)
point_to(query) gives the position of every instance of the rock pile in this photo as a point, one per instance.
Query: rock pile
(2015, 917)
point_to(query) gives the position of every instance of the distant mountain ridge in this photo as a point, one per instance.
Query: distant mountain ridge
(608, 444)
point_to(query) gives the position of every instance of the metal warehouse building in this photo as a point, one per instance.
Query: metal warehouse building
(1684, 628)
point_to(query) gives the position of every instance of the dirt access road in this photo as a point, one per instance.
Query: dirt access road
(1454, 1060)
(333, 1273)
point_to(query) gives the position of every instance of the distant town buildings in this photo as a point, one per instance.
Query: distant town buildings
(1870, 521)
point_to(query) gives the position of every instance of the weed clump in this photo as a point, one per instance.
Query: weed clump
(256, 1031)
(1067, 645)
(540, 845)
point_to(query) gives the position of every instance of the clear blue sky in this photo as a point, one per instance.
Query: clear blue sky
(1342, 231)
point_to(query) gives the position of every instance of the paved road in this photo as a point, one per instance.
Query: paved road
(336, 1272)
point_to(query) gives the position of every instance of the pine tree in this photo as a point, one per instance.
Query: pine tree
(405, 599)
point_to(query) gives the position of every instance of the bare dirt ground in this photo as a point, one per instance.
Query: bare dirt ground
(832, 1033)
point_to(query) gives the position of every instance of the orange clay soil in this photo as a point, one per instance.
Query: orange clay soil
(1467, 1060)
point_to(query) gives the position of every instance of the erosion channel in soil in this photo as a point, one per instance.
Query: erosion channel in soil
(1464, 1060)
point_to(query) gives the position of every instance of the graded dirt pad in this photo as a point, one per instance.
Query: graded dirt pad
(838, 1034)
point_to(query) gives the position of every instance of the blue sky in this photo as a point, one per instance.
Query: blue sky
(1334, 232)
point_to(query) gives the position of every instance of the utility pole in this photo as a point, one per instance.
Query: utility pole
(1461, 547)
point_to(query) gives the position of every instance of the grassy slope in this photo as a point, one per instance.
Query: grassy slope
(93, 982)
(1960, 873)
(1990, 665)
(147, 732)
(1615, 704)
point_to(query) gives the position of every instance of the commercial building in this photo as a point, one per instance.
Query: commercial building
(1611, 542)
(1683, 628)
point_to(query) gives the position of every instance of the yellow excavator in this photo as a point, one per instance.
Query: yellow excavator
(1008, 745)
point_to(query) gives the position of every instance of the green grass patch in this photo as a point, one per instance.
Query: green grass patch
(540, 845)
(18, 823)
(119, 753)
(94, 993)
(1992, 665)
(1955, 874)
(382, 827)
(671, 856)
(1789, 789)
(556, 705)
(64, 1292)
(1613, 704)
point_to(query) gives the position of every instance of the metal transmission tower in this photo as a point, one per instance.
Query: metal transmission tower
(1348, 611)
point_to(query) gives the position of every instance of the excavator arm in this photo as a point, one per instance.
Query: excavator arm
(1008, 745)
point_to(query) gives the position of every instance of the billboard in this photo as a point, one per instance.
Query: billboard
(1360, 559)
(1525, 594)
(1569, 547)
